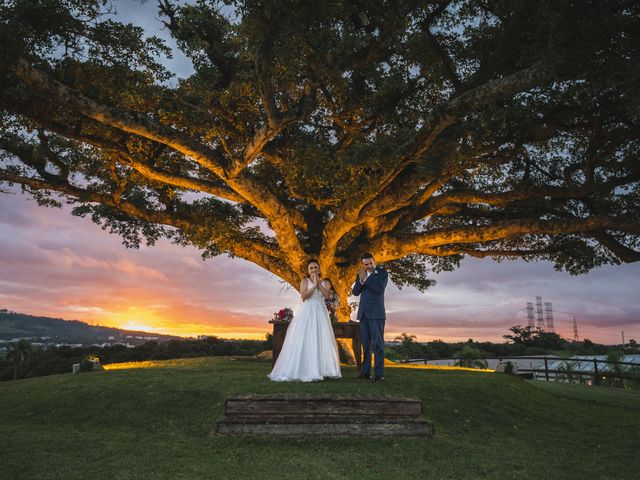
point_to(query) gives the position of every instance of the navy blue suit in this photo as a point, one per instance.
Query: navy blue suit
(372, 316)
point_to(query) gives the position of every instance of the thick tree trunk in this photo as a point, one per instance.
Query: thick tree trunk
(341, 279)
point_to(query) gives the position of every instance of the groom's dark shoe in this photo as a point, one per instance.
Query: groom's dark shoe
(362, 376)
(377, 379)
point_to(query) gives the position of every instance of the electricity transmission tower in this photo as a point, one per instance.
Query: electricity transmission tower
(530, 321)
(539, 312)
(549, 317)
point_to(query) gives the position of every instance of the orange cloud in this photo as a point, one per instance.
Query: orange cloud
(54, 264)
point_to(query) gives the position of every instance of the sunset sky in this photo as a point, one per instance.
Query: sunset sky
(54, 264)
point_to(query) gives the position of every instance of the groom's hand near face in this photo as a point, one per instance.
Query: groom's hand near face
(362, 274)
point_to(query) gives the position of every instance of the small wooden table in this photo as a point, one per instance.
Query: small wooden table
(340, 330)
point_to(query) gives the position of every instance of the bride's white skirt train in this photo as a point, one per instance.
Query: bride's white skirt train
(309, 352)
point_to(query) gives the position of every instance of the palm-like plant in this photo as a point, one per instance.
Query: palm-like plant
(470, 357)
(614, 367)
(19, 353)
(407, 345)
(569, 369)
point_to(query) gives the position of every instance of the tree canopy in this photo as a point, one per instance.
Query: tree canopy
(422, 131)
(527, 337)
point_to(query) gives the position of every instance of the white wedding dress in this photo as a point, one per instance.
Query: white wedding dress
(309, 352)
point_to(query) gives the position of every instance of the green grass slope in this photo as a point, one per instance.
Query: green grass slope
(156, 423)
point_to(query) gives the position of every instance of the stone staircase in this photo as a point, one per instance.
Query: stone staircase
(295, 414)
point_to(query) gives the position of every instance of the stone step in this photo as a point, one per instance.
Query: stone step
(398, 428)
(294, 414)
(383, 405)
(314, 418)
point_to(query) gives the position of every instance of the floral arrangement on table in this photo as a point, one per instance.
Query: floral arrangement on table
(283, 315)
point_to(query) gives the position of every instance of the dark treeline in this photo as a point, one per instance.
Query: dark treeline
(440, 349)
(520, 341)
(25, 360)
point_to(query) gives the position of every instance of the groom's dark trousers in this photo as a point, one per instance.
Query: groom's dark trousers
(371, 315)
(372, 333)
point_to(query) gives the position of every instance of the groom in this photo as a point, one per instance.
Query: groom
(370, 285)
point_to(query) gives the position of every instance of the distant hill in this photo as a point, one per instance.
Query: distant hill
(57, 330)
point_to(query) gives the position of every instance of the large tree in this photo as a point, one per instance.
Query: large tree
(422, 131)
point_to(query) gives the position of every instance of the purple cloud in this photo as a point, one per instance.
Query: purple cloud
(55, 264)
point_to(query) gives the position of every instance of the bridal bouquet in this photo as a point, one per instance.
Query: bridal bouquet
(284, 315)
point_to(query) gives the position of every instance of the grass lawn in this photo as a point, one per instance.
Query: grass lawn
(156, 423)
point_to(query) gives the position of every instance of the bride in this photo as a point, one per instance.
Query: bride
(309, 352)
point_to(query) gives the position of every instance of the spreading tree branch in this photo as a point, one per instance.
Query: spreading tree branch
(391, 248)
